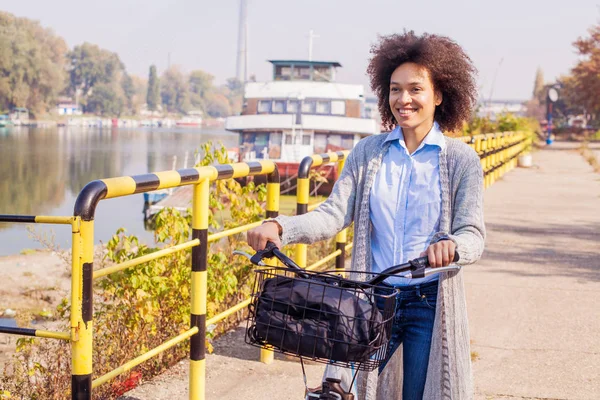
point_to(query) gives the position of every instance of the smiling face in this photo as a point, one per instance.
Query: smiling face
(413, 99)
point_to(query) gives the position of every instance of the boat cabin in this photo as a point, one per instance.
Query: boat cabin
(301, 112)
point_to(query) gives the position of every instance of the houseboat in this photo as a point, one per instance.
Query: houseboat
(302, 111)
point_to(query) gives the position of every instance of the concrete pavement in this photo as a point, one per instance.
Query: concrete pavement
(534, 298)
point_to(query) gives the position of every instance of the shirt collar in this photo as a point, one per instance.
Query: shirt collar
(435, 137)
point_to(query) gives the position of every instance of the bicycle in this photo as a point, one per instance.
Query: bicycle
(325, 317)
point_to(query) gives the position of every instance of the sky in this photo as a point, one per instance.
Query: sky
(507, 40)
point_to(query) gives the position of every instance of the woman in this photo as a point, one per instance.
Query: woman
(409, 192)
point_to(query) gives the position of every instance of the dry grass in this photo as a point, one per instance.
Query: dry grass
(588, 155)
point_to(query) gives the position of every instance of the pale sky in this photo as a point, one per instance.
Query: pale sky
(508, 38)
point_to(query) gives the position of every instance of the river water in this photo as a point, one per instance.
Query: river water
(43, 170)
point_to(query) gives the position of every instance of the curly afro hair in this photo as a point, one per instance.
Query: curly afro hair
(452, 73)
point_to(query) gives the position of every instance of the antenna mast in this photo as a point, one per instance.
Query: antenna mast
(242, 54)
(311, 36)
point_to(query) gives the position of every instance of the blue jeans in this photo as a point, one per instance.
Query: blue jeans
(413, 326)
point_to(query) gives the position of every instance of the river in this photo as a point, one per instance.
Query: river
(43, 170)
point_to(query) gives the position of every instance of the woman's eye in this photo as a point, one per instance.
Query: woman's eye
(417, 89)
(393, 89)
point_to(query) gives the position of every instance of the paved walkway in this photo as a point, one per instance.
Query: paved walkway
(534, 299)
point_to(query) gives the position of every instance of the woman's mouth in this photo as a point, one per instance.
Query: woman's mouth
(406, 112)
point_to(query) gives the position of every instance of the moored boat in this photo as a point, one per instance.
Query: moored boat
(303, 111)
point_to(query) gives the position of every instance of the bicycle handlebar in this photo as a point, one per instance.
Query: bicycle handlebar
(417, 268)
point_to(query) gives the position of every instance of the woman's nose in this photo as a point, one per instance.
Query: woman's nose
(404, 97)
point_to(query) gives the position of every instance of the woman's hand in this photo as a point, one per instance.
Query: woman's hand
(267, 232)
(440, 254)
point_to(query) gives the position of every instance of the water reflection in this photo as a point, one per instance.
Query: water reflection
(43, 170)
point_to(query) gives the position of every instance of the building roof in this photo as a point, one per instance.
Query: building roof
(305, 62)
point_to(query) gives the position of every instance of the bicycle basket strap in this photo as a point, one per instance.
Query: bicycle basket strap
(317, 320)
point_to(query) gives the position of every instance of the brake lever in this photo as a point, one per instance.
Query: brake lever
(249, 257)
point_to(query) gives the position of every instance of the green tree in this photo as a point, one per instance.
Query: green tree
(538, 87)
(128, 91)
(92, 66)
(105, 100)
(200, 84)
(153, 94)
(174, 90)
(32, 64)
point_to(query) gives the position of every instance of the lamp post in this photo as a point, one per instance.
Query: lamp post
(551, 98)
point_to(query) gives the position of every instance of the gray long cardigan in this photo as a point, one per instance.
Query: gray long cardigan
(461, 178)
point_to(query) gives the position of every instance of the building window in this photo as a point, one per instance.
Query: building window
(306, 140)
(278, 107)
(323, 107)
(338, 107)
(264, 106)
(289, 139)
(309, 106)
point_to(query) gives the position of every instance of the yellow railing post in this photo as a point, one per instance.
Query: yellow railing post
(302, 195)
(82, 309)
(272, 210)
(200, 203)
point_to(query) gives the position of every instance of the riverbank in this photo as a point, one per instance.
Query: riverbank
(33, 284)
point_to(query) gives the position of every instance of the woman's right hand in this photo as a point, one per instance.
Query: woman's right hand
(267, 232)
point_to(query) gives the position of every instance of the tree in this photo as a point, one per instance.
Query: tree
(92, 66)
(582, 88)
(153, 95)
(538, 86)
(174, 90)
(105, 100)
(200, 84)
(217, 105)
(140, 92)
(32, 64)
(128, 91)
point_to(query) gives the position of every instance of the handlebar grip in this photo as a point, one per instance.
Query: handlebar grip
(425, 260)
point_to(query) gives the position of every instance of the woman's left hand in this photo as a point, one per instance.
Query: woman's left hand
(440, 254)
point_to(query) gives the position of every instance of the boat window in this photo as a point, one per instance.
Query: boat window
(323, 107)
(261, 145)
(289, 139)
(322, 73)
(309, 106)
(283, 73)
(302, 72)
(320, 144)
(347, 142)
(278, 106)
(292, 106)
(264, 106)
(275, 145)
(306, 140)
(334, 143)
(338, 107)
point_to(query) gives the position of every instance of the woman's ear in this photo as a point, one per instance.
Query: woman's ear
(438, 98)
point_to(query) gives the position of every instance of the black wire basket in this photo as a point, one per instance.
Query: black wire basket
(321, 316)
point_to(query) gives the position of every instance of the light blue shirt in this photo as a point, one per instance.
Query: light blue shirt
(405, 203)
